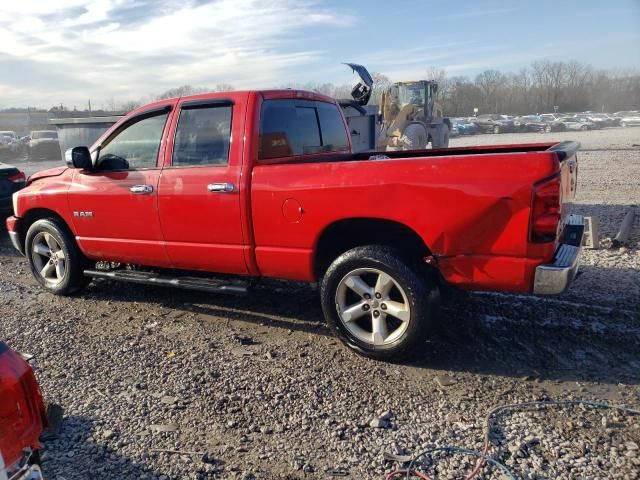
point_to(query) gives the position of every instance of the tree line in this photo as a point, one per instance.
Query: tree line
(570, 86)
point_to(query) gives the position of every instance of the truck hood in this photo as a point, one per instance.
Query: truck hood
(50, 172)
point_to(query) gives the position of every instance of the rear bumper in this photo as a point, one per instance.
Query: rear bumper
(554, 278)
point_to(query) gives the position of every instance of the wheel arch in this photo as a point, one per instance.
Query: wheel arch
(345, 234)
(32, 216)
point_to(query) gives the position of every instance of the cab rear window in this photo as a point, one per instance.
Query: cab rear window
(300, 127)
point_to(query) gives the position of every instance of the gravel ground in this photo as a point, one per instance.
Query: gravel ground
(161, 384)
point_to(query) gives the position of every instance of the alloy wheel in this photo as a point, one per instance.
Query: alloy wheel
(372, 306)
(48, 258)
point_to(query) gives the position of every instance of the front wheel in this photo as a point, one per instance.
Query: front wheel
(54, 257)
(584, 128)
(496, 129)
(623, 124)
(378, 303)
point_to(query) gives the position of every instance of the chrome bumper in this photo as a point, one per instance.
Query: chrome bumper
(555, 278)
(15, 241)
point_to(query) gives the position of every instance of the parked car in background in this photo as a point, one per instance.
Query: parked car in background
(531, 123)
(631, 120)
(22, 418)
(553, 125)
(44, 145)
(11, 180)
(596, 122)
(573, 123)
(9, 141)
(465, 126)
(494, 123)
(626, 113)
(5, 151)
(606, 119)
(553, 116)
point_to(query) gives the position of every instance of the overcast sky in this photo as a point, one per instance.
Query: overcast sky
(67, 51)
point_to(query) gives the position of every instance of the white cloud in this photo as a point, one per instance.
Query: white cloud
(103, 53)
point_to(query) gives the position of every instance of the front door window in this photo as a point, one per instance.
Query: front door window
(134, 148)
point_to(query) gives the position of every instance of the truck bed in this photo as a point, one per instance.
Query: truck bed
(470, 206)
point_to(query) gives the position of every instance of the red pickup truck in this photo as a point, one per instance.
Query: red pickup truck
(22, 418)
(264, 184)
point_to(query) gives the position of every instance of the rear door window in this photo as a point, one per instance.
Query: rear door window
(203, 136)
(300, 127)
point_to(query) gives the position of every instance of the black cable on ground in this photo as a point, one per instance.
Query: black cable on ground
(483, 456)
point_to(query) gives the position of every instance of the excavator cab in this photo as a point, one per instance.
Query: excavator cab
(415, 96)
(411, 118)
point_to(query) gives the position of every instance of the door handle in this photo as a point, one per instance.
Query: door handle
(221, 187)
(141, 189)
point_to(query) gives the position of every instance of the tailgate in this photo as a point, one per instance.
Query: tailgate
(566, 152)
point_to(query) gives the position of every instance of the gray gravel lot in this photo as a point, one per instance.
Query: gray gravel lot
(161, 384)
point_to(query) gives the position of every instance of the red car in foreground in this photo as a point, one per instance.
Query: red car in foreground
(265, 184)
(22, 418)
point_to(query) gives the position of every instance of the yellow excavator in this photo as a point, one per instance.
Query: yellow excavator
(409, 116)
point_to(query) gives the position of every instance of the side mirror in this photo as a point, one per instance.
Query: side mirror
(79, 157)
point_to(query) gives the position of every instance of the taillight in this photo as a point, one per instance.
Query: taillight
(22, 417)
(18, 177)
(545, 210)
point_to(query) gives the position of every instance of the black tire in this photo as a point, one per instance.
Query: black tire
(547, 129)
(417, 283)
(75, 262)
(584, 128)
(496, 129)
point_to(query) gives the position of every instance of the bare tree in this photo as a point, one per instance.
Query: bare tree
(380, 84)
(182, 91)
(224, 87)
(490, 83)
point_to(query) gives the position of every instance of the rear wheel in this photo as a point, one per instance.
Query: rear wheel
(378, 303)
(54, 257)
(496, 129)
(584, 127)
(547, 128)
(623, 124)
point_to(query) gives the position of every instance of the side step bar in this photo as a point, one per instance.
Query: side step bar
(188, 283)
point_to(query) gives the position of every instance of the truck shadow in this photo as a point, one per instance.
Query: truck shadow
(525, 336)
(79, 452)
(561, 338)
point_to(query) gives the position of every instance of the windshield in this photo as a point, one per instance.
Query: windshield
(411, 94)
(47, 134)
